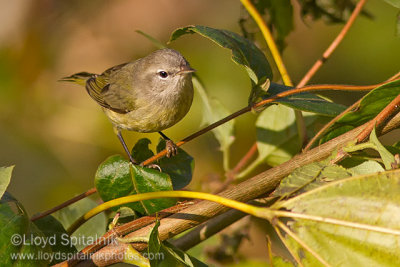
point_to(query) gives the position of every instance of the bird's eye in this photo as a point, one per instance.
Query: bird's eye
(163, 74)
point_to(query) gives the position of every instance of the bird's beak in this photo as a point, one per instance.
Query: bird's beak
(185, 69)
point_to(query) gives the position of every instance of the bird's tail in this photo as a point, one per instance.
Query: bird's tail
(79, 78)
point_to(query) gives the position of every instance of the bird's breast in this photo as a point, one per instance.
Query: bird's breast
(156, 112)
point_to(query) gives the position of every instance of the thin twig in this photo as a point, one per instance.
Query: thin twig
(328, 52)
(63, 205)
(330, 123)
(382, 117)
(317, 65)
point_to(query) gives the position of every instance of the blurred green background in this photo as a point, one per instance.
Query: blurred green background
(57, 136)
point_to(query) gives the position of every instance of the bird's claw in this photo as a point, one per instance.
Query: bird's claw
(154, 166)
(171, 148)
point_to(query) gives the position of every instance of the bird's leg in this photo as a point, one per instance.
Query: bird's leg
(170, 146)
(121, 139)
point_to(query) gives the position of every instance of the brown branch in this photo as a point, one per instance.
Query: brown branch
(258, 185)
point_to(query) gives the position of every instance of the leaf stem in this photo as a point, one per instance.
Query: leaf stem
(176, 194)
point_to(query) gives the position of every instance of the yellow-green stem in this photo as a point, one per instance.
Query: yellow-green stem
(249, 209)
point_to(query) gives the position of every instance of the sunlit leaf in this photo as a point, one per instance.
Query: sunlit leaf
(277, 138)
(5, 177)
(386, 156)
(366, 167)
(395, 3)
(367, 227)
(213, 111)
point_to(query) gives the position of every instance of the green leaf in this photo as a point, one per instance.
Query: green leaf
(141, 151)
(395, 3)
(155, 42)
(150, 180)
(19, 237)
(398, 25)
(386, 156)
(117, 177)
(179, 167)
(154, 245)
(363, 206)
(366, 167)
(60, 242)
(5, 177)
(172, 256)
(331, 11)
(213, 111)
(306, 101)
(244, 52)
(371, 104)
(89, 231)
(113, 180)
(277, 138)
(279, 17)
(310, 176)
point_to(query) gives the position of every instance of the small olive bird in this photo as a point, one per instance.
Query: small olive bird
(147, 95)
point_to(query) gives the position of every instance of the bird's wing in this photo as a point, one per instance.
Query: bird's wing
(100, 89)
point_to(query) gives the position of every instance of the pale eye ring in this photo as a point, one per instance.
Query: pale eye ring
(163, 74)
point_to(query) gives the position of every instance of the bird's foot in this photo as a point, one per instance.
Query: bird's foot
(171, 148)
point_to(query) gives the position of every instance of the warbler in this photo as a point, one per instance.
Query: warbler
(147, 95)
